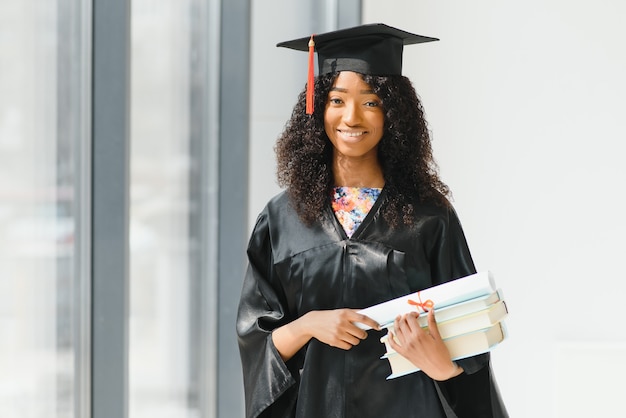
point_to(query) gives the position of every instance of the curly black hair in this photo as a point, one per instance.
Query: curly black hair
(304, 152)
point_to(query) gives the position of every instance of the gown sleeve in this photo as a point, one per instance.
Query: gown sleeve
(269, 383)
(474, 393)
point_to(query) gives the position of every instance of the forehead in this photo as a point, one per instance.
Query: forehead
(349, 79)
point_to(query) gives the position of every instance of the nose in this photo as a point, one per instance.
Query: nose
(351, 114)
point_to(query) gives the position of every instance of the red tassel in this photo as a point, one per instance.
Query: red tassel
(310, 94)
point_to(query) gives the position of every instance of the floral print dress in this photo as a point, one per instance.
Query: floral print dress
(352, 204)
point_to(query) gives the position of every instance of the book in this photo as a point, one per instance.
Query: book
(460, 309)
(460, 347)
(464, 324)
(463, 308)
(440, 296)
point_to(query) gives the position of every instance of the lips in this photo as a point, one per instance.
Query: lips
(351, 135)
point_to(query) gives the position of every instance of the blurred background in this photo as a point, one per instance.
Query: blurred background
(136, 150)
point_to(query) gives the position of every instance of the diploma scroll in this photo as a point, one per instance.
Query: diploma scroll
(440, 296)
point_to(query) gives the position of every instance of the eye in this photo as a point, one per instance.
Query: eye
(335, 100)
(372, 103)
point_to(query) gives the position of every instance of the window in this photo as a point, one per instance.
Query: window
(63, 201)
(166, 213)
(43, 125)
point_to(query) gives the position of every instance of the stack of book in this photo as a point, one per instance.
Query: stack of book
(469, 312)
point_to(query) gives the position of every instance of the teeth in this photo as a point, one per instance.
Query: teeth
(352, 134)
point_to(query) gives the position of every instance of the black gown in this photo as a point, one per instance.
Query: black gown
(294, 268)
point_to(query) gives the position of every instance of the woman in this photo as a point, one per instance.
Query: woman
(364, 219)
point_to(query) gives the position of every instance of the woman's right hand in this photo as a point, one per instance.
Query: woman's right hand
(337, 327)
(333, 327)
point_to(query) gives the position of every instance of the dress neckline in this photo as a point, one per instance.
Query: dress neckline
(351, 205)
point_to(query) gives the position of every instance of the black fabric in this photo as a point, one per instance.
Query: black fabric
(294, 269)
(374, 49)
(375, 55)
(461, 394)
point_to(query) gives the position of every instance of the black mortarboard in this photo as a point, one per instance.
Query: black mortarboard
(374, 49)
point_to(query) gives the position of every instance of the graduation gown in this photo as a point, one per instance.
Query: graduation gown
(294, 268)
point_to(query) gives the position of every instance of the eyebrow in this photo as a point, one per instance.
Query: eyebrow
(342, 90)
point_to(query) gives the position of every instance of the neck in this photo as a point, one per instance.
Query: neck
(351, 172)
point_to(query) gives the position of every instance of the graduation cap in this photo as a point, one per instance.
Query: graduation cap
(374, 49)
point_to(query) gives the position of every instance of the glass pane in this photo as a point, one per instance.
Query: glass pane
(163, 363)
(41, 121)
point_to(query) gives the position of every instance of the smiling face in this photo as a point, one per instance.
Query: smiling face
(353, 118)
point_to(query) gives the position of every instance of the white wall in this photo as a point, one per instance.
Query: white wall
(525, 101)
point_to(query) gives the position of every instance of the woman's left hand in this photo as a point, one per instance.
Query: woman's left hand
(424, 348)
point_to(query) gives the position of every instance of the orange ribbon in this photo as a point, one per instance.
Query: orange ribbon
(310, 89)
(424, 306)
